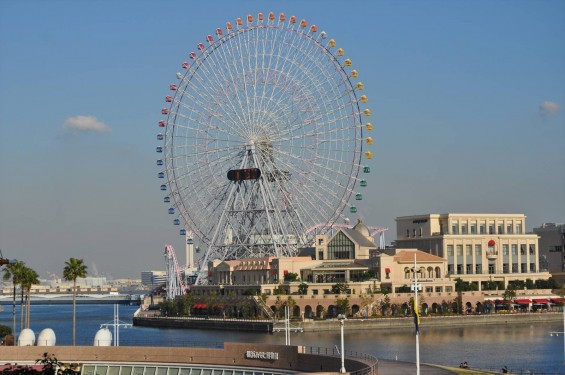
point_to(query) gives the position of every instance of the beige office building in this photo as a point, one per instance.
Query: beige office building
(478, 247)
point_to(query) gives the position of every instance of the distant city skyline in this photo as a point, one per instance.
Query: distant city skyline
(467, 101)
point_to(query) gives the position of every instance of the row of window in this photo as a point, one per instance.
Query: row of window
(468, 269)
(472, 228)
(479, 250)
(482, 228)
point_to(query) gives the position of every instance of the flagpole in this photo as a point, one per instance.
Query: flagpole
(417, 317)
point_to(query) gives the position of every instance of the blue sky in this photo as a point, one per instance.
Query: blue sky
(467, 101)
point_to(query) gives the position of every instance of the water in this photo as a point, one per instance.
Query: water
(524, 346)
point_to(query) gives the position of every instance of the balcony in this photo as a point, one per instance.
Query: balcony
(492, 254)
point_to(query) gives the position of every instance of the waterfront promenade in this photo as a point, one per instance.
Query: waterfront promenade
(232, 356)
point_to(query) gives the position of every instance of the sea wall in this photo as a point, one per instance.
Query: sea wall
(351, 324)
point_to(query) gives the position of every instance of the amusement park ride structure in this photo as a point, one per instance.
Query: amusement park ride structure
(265, 135)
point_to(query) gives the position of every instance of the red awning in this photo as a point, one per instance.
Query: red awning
(522, 301)
(501, 302)
(558, 300)
(541, 301)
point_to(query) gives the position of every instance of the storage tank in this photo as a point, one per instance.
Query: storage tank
(103, 337)
(46, 338)
(27, 337)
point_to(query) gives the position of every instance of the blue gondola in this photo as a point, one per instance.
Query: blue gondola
(159, 149)
(367, 169)
(182, 232)
(353, 209)
(163, 187)
(363, 183)
(159, 137)
(167, 199)
(171, 211)
(189, 241)
(159, 162)
(358, 197)
(161, 175)
(176, 222)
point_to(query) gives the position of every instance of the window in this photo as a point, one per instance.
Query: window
(500, 229)
(505, 268)
(478, 268)
(463, 228)
(320, 255)
(459, 269)
(455, 228)
(519, 228)
(473, 228)
(505, 250)
(491, 268)
(450, 250)
(523, 268)
(450, 268)
(532, 249)
(532, 267)
(429, 289)
(438, 273)
(320, 241)
(482, 229)
(414, 232)
(508, 228)
(420, 232)
(459, 250)
(478, 251)
(514, 267)
(469, 269)
(341, 247)
(514, 249)
(469, 250)
(522, 249)
(491, 228)
(438, 289)
(408, 233)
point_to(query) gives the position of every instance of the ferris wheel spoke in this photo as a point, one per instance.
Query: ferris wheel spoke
(327, 190)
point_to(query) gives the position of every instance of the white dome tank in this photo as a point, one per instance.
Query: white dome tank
(46, 338)
(103, 337)
(27, 337)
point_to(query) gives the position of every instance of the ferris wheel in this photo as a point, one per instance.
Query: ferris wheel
(264, 136)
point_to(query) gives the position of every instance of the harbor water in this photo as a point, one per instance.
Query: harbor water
(525, 347)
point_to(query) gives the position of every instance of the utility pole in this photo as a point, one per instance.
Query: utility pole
(416, 287)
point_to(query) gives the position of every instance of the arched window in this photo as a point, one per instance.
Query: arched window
(438, 273)
(430, 272)
(406, 273)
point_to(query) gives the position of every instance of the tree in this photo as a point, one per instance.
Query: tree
(74, 269)
(13, 271)
(28, 278)
(342, 305)
(340, 288)
(291, 276)
(303, 288)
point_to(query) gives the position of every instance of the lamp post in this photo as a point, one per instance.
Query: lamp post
(341, 318)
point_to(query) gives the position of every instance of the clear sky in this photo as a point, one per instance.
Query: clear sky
(467, 100)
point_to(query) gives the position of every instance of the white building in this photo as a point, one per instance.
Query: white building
(475, 245)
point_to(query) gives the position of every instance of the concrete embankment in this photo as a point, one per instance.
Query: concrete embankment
(352, 324)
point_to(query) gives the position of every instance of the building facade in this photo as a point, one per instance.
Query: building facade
(552, 246)
(478, 247)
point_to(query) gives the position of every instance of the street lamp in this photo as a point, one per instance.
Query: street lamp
(342, 318)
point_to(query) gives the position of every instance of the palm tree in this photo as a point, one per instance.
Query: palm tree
(14, 271)
(28, 278)
(74, 269)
